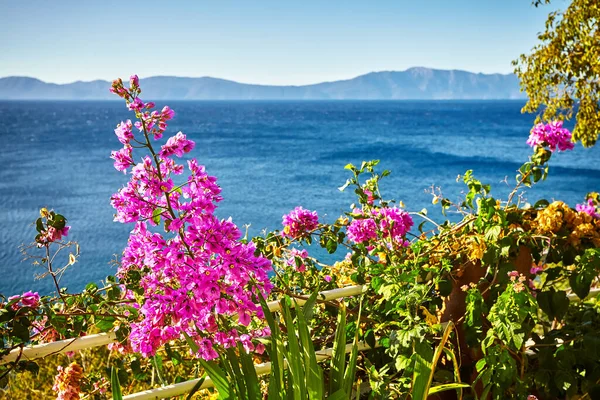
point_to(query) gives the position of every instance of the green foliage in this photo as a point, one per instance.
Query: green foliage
(295, 370)
(562, 73)
(115, 384)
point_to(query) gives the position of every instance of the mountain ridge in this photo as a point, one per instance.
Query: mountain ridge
(416, 83)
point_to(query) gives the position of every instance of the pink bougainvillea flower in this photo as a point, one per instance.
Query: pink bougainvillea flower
(588, 208)
(552, 135)
(299, 223)
(198, 268)
(123, 158)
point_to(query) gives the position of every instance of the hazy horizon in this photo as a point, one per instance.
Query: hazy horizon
(255, 83)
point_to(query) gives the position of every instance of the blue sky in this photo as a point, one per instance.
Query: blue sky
(261, 41)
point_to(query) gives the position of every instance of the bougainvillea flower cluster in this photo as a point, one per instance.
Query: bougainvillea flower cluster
(27, 299)
(390, 222)
(589, 208)
(300, 223)
(297, 258)
(199, 280)
(552, 135)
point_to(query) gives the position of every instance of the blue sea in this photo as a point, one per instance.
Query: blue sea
(268, 157)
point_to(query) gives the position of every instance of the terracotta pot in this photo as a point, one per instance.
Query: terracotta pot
(454, 309)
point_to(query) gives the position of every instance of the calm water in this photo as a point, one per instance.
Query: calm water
(268, 157)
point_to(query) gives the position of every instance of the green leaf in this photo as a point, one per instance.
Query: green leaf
(193, 346)
(196, 387)
(339, 395)
(425, 366)
(39, 225)
(350, 373)
(447, 386)
(115, 385)
(218, 377)
(276, 384)
(156, 215)
(58, 222)
(309, 305)
(20, 329)
(331, 246)
(294, 355)
(493, 233)
(554, 304)
(581, 284)
(541, 203)
(313, 372)
(423, 354)
(250, 375)
(232, 368)
(338, 357)
(104, 323)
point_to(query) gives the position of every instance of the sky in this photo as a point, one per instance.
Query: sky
(262, 41)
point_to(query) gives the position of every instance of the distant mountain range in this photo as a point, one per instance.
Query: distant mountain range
(413, 84)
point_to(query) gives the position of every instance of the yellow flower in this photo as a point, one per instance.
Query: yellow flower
(476, 248)
(429, 317)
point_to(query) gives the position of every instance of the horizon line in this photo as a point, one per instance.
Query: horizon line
(261, 84)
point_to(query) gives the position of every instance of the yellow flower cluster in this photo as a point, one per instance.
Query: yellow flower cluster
(550, 220)
(67, 382)
(342, 270)
(476, 247)
(579, 225)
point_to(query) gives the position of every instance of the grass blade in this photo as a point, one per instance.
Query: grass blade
(219, 378)
(196, 387)
(338, 357)
(309, 306)
(425, 364)
(314, 373)
(339, 395)
(294, 356)
(447, 386)
(276, 383)
(350, 372)
(452, 357)
(232, 365)
(115, 384)
(252, 385)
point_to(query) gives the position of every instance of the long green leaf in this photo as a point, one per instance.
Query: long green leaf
(250, 375)
(426, 363)
(313, 372)
(193, 346)
(294, 356)
(338, 357)
(276, 384)
(452, 356)
(232, 366)
(423, 354)
(219, 378)
(350, 372)
(447, 386)
(196, 387)
(339, 395)
(309, 306)
(115, 384)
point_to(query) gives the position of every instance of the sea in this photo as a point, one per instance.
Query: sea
(268, 156)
